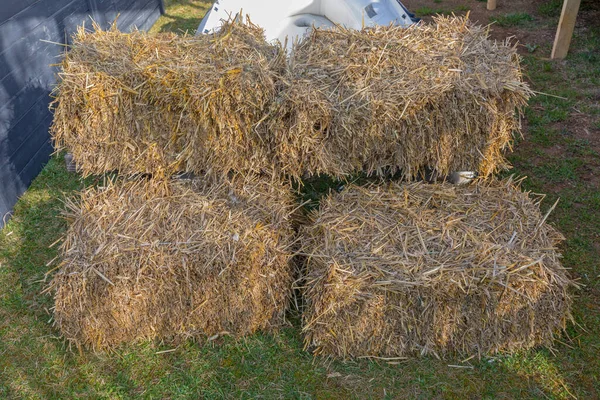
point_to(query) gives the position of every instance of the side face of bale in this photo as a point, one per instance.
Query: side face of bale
(163, 103)
(148, 260)
(440, 96)
(432, 269)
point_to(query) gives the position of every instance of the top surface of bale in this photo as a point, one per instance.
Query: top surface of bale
(432, 268)
(158, 104)
(157, 260)
(466, 230)
(441, 96)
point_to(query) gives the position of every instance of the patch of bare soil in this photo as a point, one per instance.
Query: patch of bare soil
(539, 32)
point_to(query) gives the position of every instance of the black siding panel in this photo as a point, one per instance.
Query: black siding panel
(30, 35)
(151, 19)
(12, 7)
(25, 126)
(131, 18)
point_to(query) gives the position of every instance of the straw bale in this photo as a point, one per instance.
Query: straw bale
(157, 260)
(386, 99)
(158, 104)
(415, 268)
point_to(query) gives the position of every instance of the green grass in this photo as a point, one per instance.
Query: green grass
(182, 16)
(428, 11)
(550, 8)
(462, 8)
(35, 363)
(513, 19)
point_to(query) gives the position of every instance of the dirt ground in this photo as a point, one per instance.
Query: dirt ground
(479, 13)
(540, 32)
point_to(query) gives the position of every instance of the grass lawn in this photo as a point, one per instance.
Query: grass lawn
(559, 153)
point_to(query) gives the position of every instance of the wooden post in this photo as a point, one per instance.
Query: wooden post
(566, 25)
(491, 5)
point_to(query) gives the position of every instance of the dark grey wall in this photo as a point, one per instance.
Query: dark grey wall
(29, 33)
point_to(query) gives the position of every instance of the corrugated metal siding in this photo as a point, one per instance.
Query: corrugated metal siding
(29, 33)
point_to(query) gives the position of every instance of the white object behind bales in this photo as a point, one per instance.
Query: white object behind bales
(291, 20)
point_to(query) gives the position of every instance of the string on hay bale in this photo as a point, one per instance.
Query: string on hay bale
(159, 260)
(385, 99)
(409, 269)
(159, 104)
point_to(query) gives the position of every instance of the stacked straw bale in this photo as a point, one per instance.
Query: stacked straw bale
(432, 269)
(159, 104)
(441, 96)
(159, 260)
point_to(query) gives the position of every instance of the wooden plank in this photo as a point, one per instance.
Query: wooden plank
(95, 12)
(103, 12)
(14, 183)
(566, 25)
(491, 5)
(20, 107)
(4, 209)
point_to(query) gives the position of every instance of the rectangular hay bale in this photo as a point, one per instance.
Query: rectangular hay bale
(407, 269)
(159, 104)
(439, 96)
(157, 260)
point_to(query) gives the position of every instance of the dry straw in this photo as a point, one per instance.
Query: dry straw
(157, 260)
(441, 96)
(163, 103)
(423, 269)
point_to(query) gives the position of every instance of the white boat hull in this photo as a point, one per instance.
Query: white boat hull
(288, 21)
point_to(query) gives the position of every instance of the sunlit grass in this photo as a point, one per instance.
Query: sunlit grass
(181, 16)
